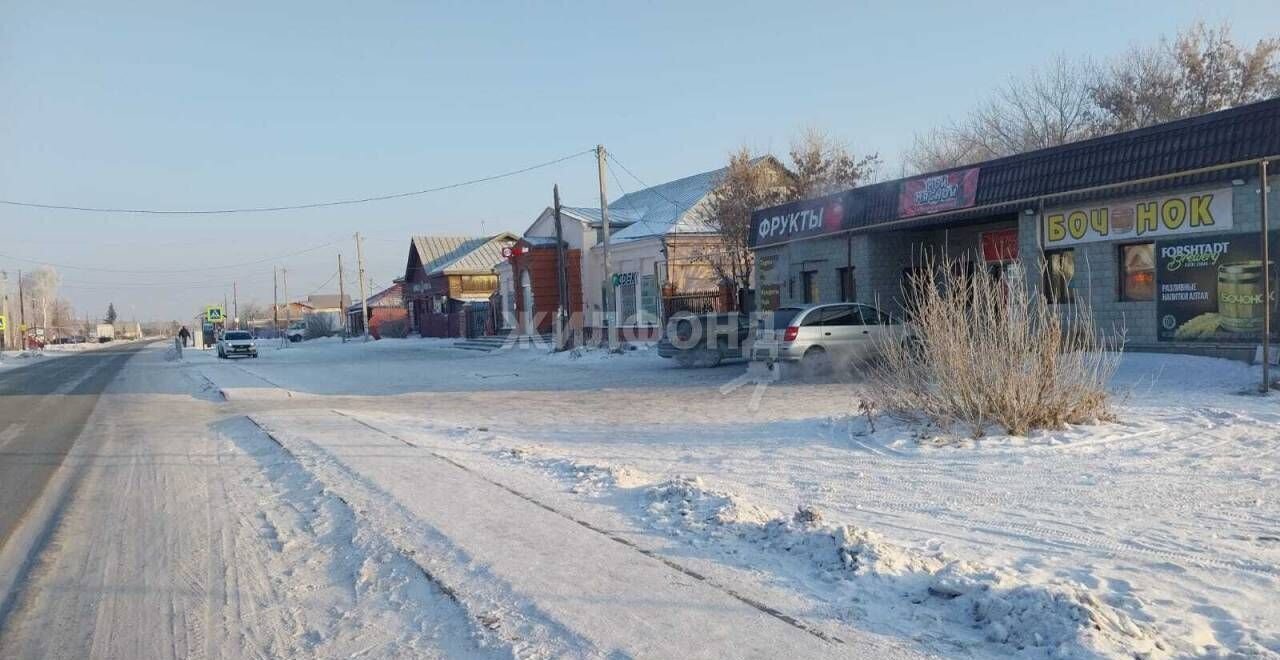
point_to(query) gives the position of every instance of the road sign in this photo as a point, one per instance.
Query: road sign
(4, 323)
(214, 314)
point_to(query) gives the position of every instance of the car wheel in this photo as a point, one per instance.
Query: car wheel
(815, 364)
(713, 357)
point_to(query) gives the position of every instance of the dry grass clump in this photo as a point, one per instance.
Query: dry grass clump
(990, 352)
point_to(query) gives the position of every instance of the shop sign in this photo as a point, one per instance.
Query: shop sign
(802, 219)
(943, 192)
(624, 279)
(770, 297)
(1000, 245)
(1144, 217)
(1210, 289)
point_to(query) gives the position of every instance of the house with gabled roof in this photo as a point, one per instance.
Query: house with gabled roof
(448, 281)
(658, 243)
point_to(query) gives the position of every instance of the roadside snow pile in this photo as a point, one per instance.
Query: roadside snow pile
(584, 478)
(1051, 620)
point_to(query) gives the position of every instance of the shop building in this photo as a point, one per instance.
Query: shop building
(448, 281)
(1157, 228)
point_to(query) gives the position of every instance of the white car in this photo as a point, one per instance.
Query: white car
(822, 337)
(297, 331)
(237, 343)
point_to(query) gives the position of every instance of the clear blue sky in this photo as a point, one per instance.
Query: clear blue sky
(198, 105)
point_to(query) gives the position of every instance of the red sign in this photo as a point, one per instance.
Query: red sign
(1000, 245)
(942, 192)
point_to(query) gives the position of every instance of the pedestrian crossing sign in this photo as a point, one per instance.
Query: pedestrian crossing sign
(4, 323)
(214, 314)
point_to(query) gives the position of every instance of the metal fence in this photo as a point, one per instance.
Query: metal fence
(703, 302)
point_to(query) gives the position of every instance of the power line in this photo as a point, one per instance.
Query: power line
(169, 271)
(294, 207)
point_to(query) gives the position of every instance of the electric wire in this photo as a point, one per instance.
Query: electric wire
(295, 207)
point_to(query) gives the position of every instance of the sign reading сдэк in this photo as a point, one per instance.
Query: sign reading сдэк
(1143, 217)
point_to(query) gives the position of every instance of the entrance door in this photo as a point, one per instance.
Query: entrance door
(526, 298)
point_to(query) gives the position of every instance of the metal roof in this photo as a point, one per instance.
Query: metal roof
(457, 255)
(1228, 136)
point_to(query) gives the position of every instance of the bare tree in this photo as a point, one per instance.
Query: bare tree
(1046, 108)
(824, 165)
(1202, 70)
(40, 294)
(746, 185)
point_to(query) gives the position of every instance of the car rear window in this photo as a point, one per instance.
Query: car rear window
(783, 316)
(238, 335)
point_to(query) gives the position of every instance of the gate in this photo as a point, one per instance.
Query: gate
(477, 319)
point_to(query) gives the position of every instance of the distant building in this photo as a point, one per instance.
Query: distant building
(448, 281)
(385, 306)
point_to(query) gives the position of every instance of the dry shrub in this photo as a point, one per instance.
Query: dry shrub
(320, 325)
(990, 352)
(394, 329)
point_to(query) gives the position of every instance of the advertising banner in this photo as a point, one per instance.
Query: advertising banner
(1210, 289)
(803, 219)
(944, 192)
(1144, 217)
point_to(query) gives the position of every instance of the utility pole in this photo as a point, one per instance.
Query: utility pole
(4, 310)
(235, 304)
(607, 303)
(342, 295)
(275, 299)
(562, 287)
(22, 315)
(284, 285)
(364, 297)
(1266, 284)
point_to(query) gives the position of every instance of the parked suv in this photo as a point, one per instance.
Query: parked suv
(237, 342)
(821, 337)
(705, 340)
(297, 331)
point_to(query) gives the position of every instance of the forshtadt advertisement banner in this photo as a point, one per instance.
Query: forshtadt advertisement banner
(1205, 211)
(1210, 288)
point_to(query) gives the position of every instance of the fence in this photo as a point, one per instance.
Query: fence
(702, 302)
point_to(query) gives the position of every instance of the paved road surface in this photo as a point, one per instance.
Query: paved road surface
(43, 408)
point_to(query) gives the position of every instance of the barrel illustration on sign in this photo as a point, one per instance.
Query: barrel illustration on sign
(1212, 289)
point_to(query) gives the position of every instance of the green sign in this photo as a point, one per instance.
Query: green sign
(4, 323)
(214, 314)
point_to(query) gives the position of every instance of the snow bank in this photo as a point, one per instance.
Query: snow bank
(1051, 620)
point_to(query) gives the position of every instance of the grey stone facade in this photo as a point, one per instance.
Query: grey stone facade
(879, 259)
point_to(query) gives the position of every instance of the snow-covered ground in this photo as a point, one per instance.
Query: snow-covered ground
(1155, 535)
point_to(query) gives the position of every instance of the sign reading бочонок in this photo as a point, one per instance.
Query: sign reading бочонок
(1142, 217)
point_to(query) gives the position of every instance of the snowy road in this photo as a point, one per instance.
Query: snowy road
(43, 407)
(407, 499)
(189, 531)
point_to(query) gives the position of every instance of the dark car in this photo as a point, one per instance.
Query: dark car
(706, 340)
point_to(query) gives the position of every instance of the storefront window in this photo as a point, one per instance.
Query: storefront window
(649, 298)
(809, 286)
(627, 296)
(1138, 272)
(848, 290)
(1060, 270)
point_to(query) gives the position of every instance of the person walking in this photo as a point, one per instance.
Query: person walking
(185, 335)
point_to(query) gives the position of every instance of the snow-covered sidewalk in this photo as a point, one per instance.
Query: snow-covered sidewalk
(536, 573)
(1156, 534)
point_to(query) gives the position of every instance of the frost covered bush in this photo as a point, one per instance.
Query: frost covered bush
(320, 325)
(989, 351)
